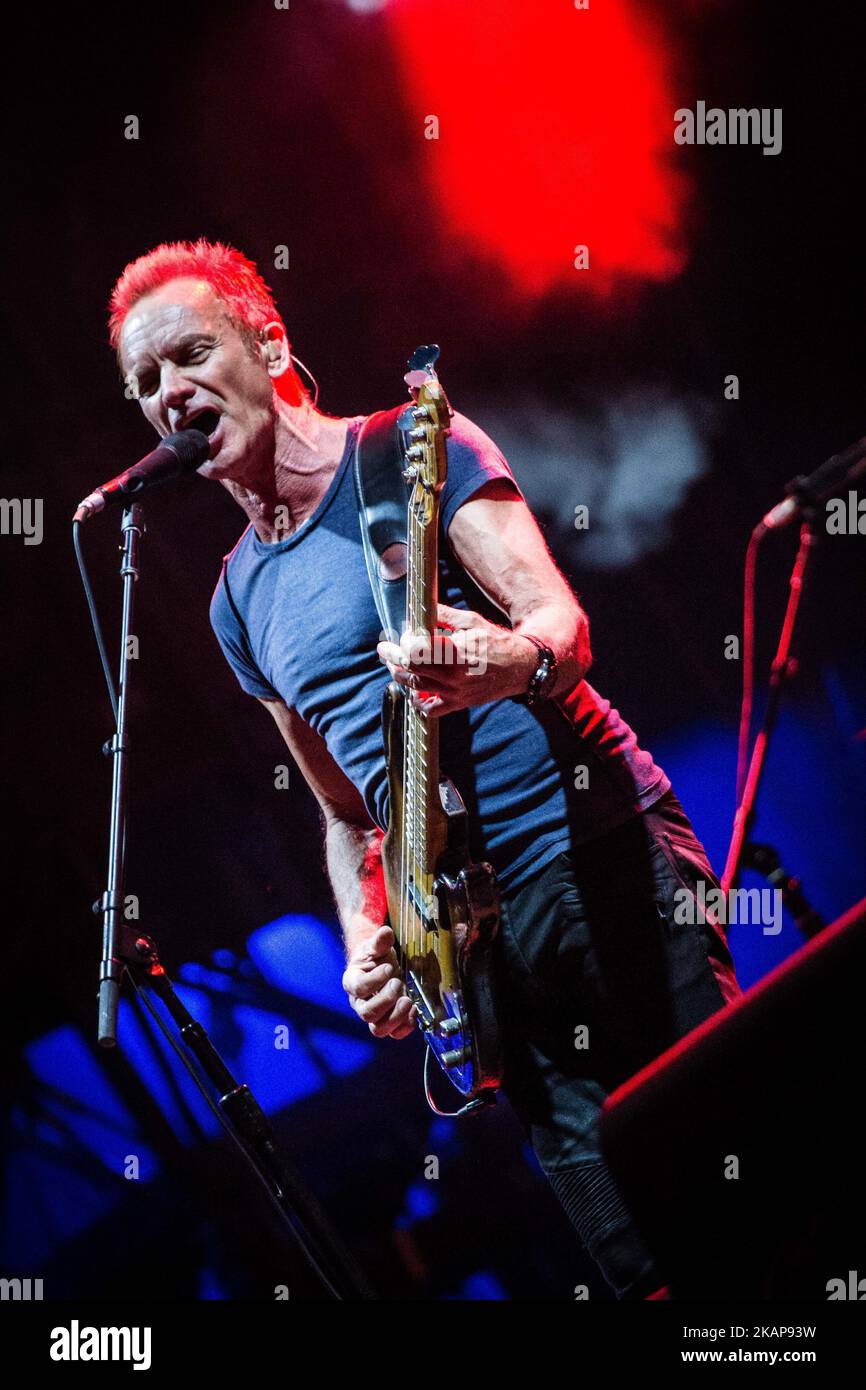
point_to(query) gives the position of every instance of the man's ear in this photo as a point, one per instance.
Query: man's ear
(276, 353)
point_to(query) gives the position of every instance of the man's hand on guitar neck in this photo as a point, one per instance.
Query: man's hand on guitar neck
(469, 661)
(473, 661)
(497, 540)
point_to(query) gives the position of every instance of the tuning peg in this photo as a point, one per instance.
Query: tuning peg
(421, 365)
(425, 356)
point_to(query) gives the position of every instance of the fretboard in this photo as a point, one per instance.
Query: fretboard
(421, 744)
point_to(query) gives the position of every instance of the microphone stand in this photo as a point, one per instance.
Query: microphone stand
(117, 748)
(742, 852)
(125, 949)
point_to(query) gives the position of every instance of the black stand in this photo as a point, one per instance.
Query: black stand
(111, 967)
(766, 861)
(307, 1222)
(124, 949)
(742, 853)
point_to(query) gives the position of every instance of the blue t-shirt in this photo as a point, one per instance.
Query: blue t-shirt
(297, 621)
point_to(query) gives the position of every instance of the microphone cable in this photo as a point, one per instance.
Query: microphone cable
(94, 616)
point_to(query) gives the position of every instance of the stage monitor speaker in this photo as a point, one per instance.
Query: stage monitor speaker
(741, 1151)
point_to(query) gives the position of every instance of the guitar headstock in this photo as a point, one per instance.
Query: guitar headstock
(425, 424)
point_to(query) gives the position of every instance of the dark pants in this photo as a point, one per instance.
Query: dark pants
(597, 978)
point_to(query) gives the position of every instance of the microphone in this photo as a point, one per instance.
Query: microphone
(175, 455)
(804, 491)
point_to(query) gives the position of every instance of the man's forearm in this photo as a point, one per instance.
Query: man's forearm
(353, 857)
(565, 629)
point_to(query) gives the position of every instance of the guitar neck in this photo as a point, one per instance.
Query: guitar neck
(422, 731)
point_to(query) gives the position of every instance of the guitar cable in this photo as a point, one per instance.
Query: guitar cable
(466, 1109)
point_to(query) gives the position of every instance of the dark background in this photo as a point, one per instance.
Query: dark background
(259, 139)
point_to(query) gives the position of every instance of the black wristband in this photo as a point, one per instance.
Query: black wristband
(544, 677)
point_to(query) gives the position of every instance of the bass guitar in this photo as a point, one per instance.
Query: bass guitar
(442, 908)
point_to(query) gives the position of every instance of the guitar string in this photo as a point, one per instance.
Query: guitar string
(404, 843)
(413, 844)
(419, 807)
(403, 852)
(413, 735)
(410, 724)
(418, 857)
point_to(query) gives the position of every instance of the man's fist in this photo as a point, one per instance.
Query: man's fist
(375, 989)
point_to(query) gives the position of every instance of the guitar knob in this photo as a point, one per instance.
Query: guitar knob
(455, 1058)
(449, 1025)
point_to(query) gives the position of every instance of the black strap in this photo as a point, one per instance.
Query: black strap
(383, 515)
(383, 503)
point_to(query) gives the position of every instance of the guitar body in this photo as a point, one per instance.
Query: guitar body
(445, 922)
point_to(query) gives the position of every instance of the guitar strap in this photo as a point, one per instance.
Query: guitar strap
(383, 503)
(383, 513)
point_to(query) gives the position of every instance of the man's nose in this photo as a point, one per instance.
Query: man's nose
(176, 392)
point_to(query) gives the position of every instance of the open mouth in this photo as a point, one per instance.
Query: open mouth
(205, 420)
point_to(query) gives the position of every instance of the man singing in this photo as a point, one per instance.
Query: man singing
(596, 974)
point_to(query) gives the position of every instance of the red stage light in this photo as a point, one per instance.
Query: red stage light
(555, 129)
